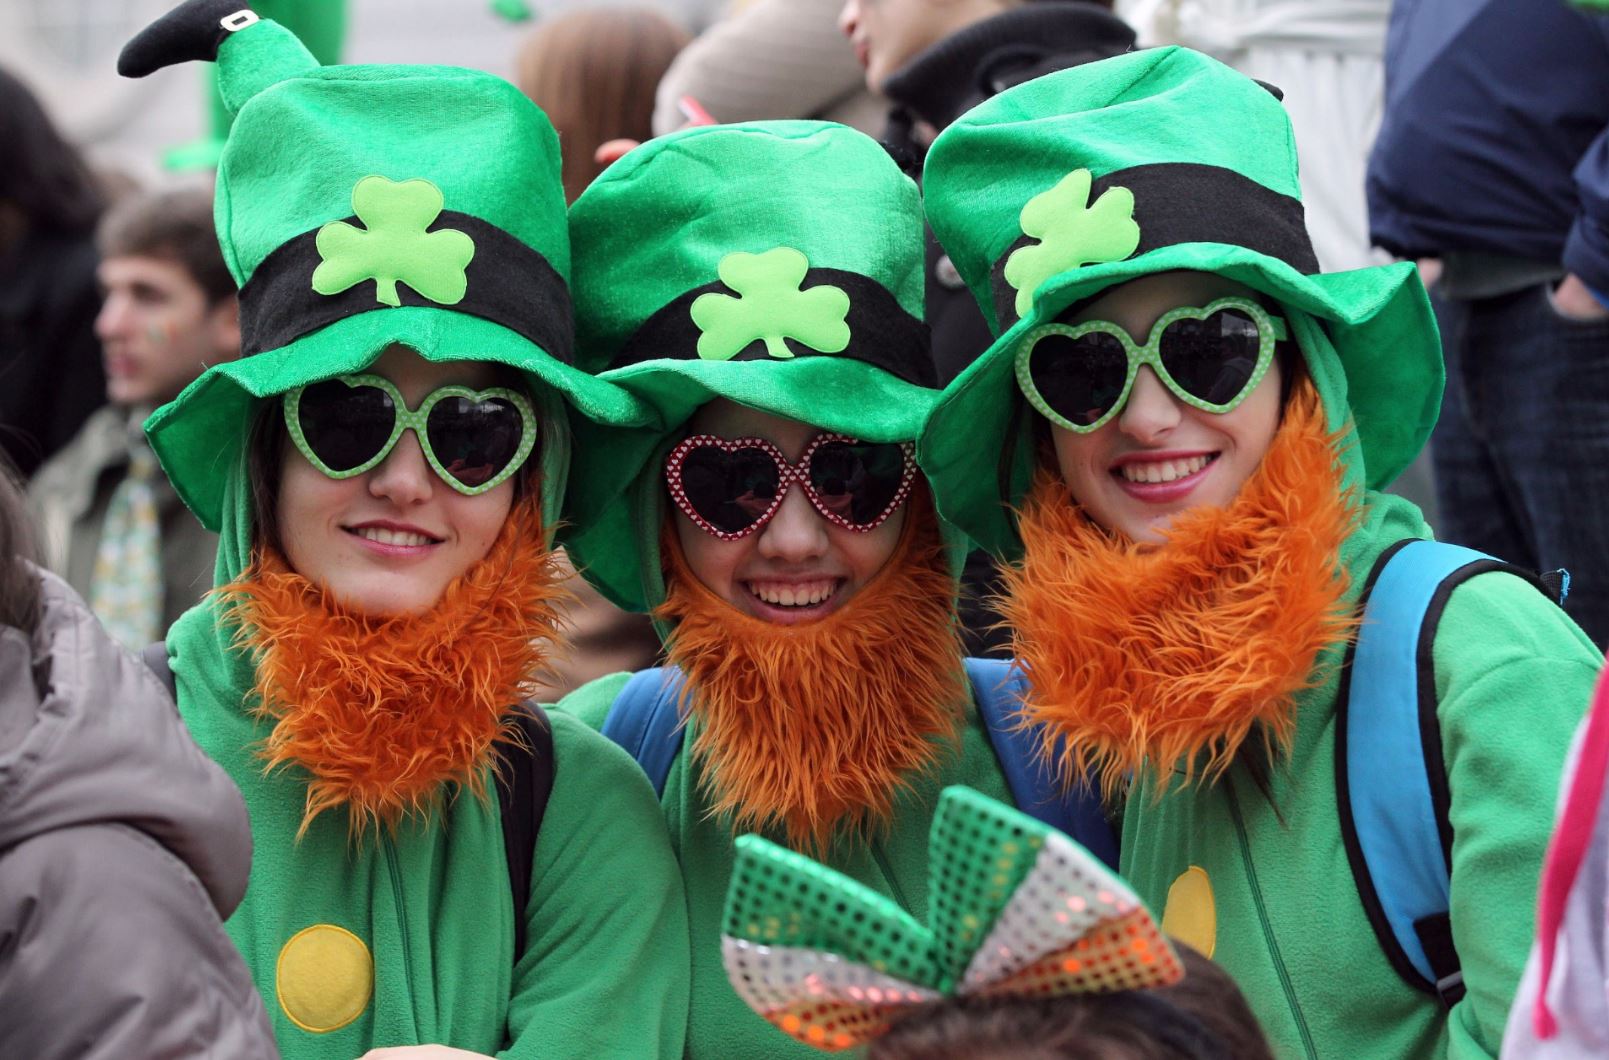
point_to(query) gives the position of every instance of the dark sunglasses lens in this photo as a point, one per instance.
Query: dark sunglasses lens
(730, 490)
(1212, 359)
(856, 481)
(345, 426)
(1080, 379)
(474, 440)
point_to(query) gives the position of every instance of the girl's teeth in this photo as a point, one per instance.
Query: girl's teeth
(1164, 470)
(805, 595)
(382, 536)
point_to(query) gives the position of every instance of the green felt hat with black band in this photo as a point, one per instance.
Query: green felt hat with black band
(364, 206)
(1154, 161)
(777, 264)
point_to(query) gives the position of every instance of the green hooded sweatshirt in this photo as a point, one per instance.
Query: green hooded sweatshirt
(833, 196)
(406, 937)
(1261, 881)
(894, 864)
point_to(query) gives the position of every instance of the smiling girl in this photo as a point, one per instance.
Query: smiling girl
(774, 522)
(384, 467)
(1178, 436)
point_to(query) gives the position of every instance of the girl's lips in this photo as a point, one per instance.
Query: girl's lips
(380, 540)
(786, 615)
(1163, 492)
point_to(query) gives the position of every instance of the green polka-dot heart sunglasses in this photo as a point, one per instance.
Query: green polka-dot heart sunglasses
(1078, 376)
(474, 439)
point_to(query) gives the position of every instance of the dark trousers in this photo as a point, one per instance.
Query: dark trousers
(1521, 450)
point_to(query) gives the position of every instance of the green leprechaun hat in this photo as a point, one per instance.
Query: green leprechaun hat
(1148, 162)
(777, 264)
(361, 206)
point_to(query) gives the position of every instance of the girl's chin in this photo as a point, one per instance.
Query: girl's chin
(383, 602)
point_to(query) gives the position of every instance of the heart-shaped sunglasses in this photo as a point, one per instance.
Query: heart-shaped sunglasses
(732, 487)
(474, 439)
(1079, 376)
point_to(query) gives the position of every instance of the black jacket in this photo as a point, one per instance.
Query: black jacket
(1495, 134)
(935, 88)
(50, 361)
(951, 78)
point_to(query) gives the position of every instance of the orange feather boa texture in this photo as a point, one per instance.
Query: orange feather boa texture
(1175, 654)
(813, 729)
(383, 711)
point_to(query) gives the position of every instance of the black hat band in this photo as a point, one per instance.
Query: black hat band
(1188, 202)
(881, 332)
(508, 283)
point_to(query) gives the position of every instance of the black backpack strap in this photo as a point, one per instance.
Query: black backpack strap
(155, 657)
(524, 784)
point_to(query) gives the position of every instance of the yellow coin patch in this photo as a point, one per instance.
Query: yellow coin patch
(324, 978)
(1191, 915)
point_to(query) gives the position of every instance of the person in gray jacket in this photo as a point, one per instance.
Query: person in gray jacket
(122, 846)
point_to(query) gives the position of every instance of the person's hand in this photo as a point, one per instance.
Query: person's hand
(1572, 299)
(611, 150)
(1429, 271)
(422, 1052)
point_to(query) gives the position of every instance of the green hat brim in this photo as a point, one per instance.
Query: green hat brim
(198, 437)
(1378, 320)
(615, 507)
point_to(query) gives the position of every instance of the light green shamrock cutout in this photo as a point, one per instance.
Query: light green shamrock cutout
(1071, 233)
(770, 306)
(393, 246)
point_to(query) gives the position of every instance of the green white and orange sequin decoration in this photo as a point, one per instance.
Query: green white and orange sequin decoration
(1017, 909)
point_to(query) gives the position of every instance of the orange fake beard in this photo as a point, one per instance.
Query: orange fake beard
(383, 712)
(1175, 654)
(813, 729)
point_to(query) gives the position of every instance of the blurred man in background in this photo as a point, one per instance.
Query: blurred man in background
(110, 522)
(1492, 168)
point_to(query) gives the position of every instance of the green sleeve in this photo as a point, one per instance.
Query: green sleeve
(606, 965)
(1513, 678)
(591, 702)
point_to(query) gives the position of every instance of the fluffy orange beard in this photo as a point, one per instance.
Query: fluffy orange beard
(1174, 654)
(383, 711)
(812, 729)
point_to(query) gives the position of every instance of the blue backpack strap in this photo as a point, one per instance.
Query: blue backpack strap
(998, 688)
(1391, 781)
(644, 720)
